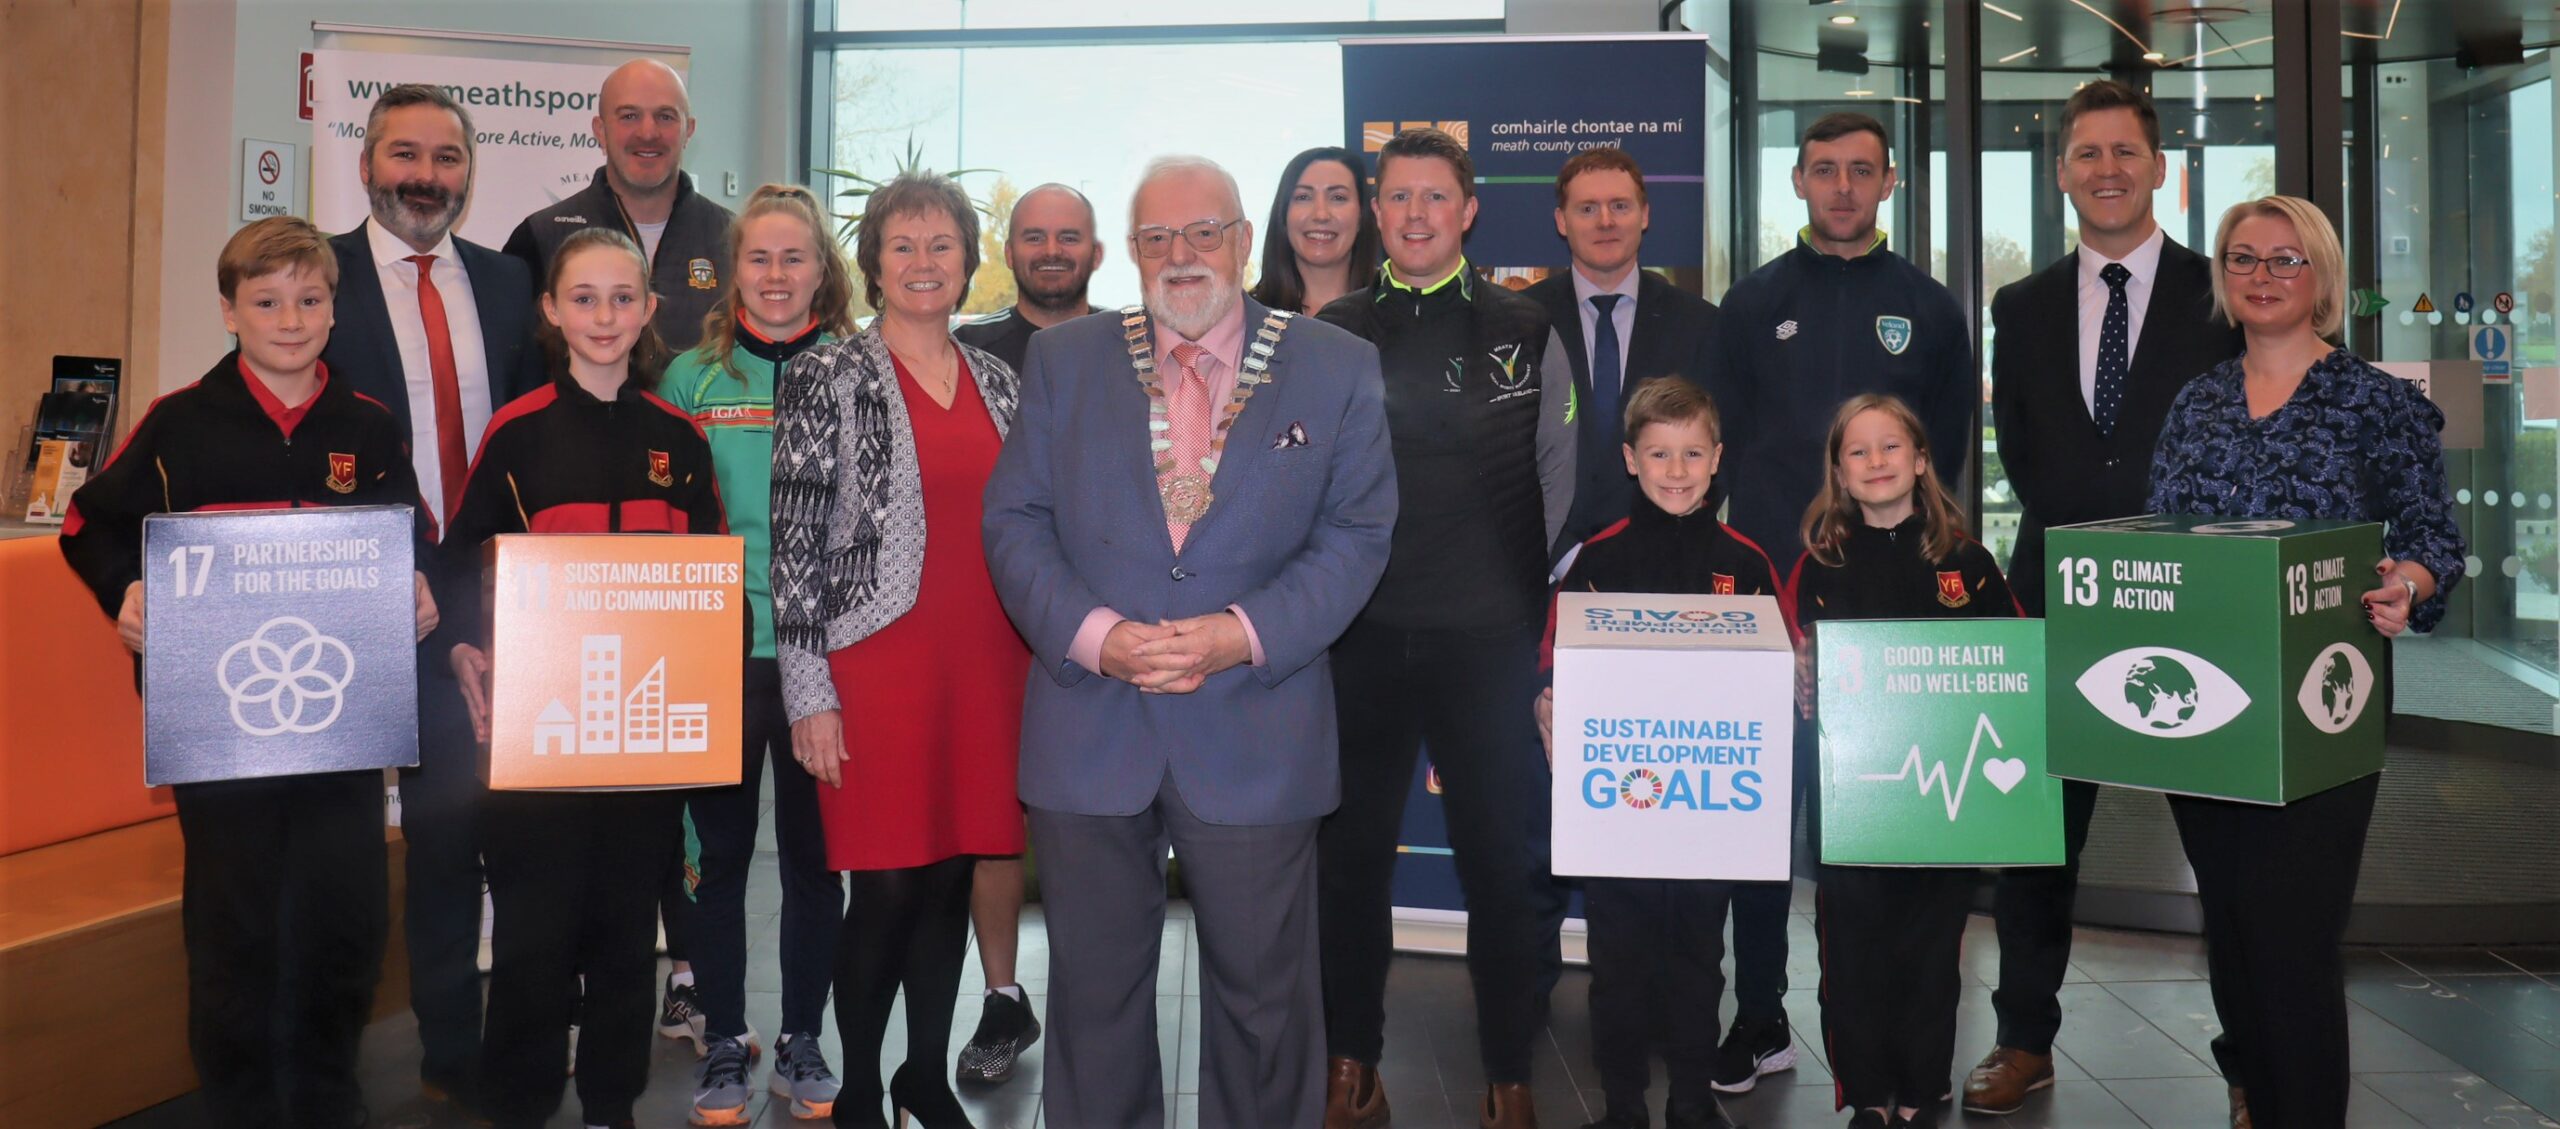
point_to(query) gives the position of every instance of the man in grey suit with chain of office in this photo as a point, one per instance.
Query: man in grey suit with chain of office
(1179, 582)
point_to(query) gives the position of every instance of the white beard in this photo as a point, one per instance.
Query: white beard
(1192, 317)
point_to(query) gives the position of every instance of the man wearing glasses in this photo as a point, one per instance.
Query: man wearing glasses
(2088, 355)
(1446, 654)
(1181, 621)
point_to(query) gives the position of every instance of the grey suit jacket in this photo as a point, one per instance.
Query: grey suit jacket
(1297, 537)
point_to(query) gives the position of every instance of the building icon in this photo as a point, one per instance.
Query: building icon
(611, 720)
(600, 694)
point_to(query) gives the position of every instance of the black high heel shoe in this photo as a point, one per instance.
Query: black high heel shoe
(921, 1093)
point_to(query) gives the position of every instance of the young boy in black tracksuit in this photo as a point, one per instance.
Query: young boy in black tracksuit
(282, 872)
(1655, 943)
(1885, 541)
(575, 876)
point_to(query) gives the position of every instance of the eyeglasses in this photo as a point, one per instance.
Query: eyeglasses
(2242, 262)
(1155, 241)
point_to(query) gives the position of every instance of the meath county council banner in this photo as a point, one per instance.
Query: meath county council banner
(1522, 107)
(533, 124)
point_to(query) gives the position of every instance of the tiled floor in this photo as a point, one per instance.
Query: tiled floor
(2441, 1038)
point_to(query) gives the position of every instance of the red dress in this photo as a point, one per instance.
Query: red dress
(933, 701)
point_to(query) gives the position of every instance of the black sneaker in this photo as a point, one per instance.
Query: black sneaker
(1006, 1028)
(1681, 1115)
(681, 1017)
(1751, 1049)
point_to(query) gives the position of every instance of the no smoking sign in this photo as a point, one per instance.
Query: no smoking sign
(266, 179)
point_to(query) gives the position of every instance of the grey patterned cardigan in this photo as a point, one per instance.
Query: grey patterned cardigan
(848, 506)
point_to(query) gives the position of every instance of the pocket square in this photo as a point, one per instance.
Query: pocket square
(1294, 436)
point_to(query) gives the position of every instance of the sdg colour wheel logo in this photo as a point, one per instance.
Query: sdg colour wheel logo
(1640, 789)
(2162, 692)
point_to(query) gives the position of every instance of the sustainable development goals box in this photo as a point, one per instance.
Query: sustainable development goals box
(1674, 745)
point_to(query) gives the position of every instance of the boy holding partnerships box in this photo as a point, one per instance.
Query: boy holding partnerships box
(1655, 943)
(281, 871)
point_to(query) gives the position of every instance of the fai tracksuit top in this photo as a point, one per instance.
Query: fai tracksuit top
(1806, 332)
(226, 443)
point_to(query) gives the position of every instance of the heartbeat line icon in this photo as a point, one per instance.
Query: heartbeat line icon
(1935, 777)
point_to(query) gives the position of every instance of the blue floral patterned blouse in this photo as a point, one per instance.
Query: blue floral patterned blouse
(2353, 444)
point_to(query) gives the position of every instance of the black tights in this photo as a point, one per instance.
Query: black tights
(903, 928)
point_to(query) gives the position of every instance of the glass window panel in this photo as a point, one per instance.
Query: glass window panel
(964, 108)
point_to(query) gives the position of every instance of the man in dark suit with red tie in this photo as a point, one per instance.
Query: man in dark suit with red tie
(440, 331)
(1651, 328)
(2088, 354)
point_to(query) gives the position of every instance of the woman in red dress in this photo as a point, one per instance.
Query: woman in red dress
(901, 673)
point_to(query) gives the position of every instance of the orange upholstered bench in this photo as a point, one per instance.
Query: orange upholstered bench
(93, 967)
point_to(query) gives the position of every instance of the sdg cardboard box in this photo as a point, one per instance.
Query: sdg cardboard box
(1933, 744)
(1674, 749)
(615, 661)
(278, 642)
(2214, 657)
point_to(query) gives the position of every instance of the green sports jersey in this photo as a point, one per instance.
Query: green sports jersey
(733, 404)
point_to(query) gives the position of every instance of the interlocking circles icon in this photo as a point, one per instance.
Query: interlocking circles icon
(280, 677)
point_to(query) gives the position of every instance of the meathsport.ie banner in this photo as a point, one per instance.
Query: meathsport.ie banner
(1524, 106)
(533, 127)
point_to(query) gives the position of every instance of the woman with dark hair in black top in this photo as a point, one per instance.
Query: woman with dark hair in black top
(1884, 540)
(1322, 241)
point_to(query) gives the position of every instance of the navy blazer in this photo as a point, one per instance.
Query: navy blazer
(1297, 537)
(1674, 336)
(363, 350)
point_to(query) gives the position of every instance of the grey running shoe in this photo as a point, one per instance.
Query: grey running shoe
(800, 1073)
(1006, 1028)
(720, 1091)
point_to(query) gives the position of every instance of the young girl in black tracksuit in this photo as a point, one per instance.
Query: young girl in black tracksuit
(1884, 540)
(1655, 943)
(573, 875)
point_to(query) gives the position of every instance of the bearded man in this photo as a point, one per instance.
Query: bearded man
(440, 330)
(1194, 502)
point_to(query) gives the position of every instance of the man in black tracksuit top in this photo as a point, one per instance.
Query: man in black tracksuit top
(1446, 653)
(685, 261)
(281, 871)
(1835, 316)
(643, 119)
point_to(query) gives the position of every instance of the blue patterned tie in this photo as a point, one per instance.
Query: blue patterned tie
(2113, 348)
(1606, 367)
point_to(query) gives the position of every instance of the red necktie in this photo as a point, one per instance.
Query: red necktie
(453, 462)
(1187, 414)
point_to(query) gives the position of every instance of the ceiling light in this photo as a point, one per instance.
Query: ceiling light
(2014, 56)
(1843, 20)
(2153, 57)
(1858, 93)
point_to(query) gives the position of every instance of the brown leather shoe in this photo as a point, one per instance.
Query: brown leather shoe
(1353, 1096)
(2239, 1109)
(1507, 1106)
(2001, 1082)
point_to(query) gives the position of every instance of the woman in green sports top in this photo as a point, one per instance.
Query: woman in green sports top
(790, 289)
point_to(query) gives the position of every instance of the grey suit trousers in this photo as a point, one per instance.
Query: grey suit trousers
(1253, 897)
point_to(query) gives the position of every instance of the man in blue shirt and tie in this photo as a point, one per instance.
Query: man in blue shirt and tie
(1633, 325)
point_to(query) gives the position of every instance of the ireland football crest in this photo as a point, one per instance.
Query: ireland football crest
(1894, 333)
